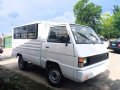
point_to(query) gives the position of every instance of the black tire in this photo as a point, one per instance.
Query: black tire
(54, 76)
(22, 64)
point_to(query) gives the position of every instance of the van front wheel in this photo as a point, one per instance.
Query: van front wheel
(22, 64)
(54, 76)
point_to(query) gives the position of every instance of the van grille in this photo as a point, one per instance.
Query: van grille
(97, 58)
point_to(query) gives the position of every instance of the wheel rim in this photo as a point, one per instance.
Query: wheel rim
(54, 76)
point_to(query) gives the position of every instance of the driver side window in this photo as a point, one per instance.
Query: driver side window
(58, 34)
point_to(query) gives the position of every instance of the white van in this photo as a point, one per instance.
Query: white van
(62, 49)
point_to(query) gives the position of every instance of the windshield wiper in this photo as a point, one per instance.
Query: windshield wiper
(93, 36)
(85, 37)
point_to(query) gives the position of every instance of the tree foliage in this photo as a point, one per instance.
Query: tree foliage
(87, 13)
(107, 28)
(110, 24)
(116, 9)
(90, 14)
(116, 17)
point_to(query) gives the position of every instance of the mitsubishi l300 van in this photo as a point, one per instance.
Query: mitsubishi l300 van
(62, 49)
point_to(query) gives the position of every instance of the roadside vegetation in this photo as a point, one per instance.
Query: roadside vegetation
(106, 24)
(12, 81)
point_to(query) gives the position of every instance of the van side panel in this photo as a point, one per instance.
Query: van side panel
(30, 49)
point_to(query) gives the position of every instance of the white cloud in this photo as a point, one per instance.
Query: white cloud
(66, 17)
(13, 15)
(17, 12)
(107, 12)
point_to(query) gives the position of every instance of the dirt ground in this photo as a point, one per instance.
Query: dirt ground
(101, 82)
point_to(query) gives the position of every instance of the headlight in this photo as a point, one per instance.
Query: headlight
(85, 61)
(82, 62)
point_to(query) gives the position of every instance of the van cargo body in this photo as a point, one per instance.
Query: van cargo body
(62, 49)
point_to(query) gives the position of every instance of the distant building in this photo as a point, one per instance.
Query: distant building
(1, 41)
(7, 42)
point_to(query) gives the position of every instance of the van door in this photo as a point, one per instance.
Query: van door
(58, 51)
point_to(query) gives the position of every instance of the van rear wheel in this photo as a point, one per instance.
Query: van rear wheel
(22, 64)
(54, 76)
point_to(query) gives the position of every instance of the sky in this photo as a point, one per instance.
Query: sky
(18, 12)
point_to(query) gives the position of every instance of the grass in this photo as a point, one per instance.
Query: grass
(13, 81)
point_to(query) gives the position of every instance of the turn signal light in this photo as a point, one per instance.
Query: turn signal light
(82, 62)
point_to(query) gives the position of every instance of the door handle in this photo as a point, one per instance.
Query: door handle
(47, 46)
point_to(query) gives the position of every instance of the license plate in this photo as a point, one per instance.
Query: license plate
(113, 44)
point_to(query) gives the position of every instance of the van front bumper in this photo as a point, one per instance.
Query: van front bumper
(83, 75)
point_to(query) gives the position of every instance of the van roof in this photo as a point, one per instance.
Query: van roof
(49, 22)
(46, 22)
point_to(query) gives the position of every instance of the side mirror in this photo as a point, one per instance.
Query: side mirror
(67, 40)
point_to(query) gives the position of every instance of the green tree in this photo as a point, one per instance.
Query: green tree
(107, 28)
(87, 13)
(116, 22)
(116, 9)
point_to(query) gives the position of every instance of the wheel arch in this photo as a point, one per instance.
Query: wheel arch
(18, 54)
(52, 63)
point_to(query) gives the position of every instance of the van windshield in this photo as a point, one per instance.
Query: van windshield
(84, 35)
